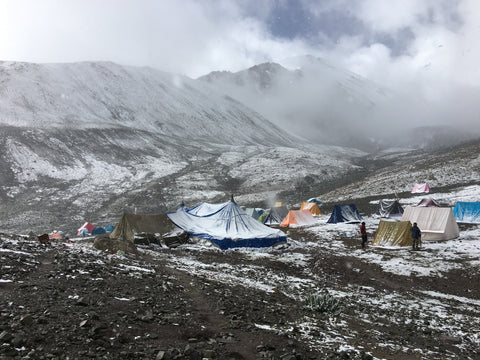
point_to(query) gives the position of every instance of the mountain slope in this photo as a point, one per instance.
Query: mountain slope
(449, 169)
(85, 142)
(310, 98)
(106, 95)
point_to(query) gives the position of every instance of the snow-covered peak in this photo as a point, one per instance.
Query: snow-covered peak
(106, 95)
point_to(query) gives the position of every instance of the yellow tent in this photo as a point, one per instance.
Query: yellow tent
(278, 204)
(312, 207)
(393, 233)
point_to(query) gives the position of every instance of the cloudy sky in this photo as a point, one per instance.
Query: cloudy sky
(430, 46)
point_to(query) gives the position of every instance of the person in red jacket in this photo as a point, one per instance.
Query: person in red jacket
(363, 231)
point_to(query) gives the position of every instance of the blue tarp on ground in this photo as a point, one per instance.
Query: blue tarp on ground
(344, 213)
(226, 225)
(109, 228)
(467, 212)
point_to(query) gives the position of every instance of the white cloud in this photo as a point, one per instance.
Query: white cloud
(427, 49)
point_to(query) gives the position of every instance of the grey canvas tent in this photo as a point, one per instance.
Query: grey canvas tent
(131, 224)
(389, 208)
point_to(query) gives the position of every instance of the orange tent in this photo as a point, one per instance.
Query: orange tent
(299, 218)
(56, 235)
(312, 207)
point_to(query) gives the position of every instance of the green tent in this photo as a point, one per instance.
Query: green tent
(131, 224)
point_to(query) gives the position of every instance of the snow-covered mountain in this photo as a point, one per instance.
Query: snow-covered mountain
(311, 98)
(86, 141)
(329, 105)
(83, 96)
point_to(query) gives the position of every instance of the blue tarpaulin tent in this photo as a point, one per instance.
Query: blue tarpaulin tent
(344, 213)
(226, 225)
(109, 228)
(467, 212)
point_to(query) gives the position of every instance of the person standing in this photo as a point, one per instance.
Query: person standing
(416, 235)
(363, 232)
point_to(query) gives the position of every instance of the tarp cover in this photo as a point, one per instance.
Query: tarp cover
(131, 224)
(420, 188)
(467, 212)
(344, 213)
(393, 233)
(298, 218)
(435, 223)
(389, 208)
(312, 207)
(276, 215)
(226, 225)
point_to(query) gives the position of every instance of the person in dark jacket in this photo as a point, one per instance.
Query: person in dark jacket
(416, 235)
(363, 232)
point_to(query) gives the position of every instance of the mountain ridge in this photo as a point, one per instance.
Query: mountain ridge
(85, 142)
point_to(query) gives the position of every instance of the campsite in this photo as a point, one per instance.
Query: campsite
(239, 180)
(317, 295)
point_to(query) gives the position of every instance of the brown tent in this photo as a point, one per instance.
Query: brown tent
(131, 224)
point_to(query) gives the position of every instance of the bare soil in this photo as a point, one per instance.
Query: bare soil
(66, 303)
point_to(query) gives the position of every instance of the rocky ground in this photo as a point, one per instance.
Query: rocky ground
(69, 300)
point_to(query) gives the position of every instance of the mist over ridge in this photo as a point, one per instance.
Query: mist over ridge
(326, 104)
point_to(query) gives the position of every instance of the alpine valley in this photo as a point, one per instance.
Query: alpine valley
(88, 141)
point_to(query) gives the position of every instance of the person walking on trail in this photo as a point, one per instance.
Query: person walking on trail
(416, 235)
(363, 232)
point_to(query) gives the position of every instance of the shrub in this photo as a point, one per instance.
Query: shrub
(323, 303)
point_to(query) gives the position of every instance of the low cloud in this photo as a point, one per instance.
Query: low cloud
(426, 52)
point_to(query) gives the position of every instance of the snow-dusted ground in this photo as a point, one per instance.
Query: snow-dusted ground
(445, 169)
(448, 315)
(444, 312)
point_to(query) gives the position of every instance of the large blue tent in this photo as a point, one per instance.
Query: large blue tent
(467, 212)
(344, 213)
(226, 225)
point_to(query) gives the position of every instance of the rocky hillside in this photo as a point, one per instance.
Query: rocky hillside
(88, 141)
